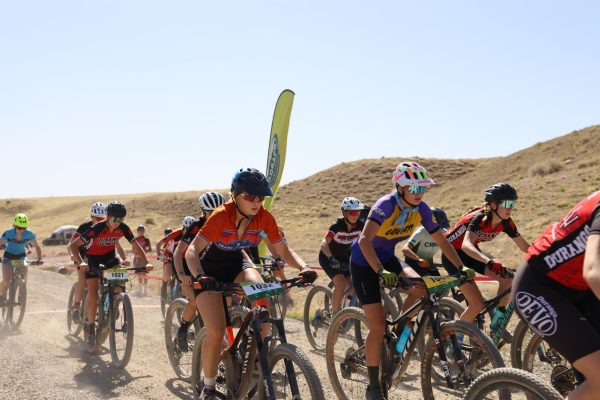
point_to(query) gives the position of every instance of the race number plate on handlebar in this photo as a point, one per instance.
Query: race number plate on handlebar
(436, 284)
(255, 291)
(18, 262)
(117, 275)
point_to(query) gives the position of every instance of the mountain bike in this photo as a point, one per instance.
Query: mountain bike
(510, 383)
(75, 327)
(114, 318)
(284, 372)
(455, 354)
(181, 359)
(171, 291)
(15, 300)
(318, 311)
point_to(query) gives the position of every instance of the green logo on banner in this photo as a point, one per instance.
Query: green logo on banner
(273, 164)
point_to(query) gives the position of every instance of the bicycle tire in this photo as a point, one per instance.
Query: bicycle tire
(396, 295)
(317, 322)
(127, 328)
(484, 354)
(73, 327)
(312, 386)
(163, 301)
(518, 344)
(172, 319)
(447, 309)
(512, 379)
(17, 298)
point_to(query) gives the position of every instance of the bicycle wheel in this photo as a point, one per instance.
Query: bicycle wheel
(521, 385)
(307, 379)
(73, 327)
(521, 337)
(345, 354)
(17, 301)
(447, 309)
(398, 294)
(181, 359)
(121, 330)
(478, 353)
(545, 362)
(317, 316)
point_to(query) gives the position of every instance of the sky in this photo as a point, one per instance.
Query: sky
(153, 96)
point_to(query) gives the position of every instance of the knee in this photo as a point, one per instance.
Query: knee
(377, 330)
(215, 333)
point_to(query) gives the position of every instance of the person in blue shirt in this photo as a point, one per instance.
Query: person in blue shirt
(16, 240)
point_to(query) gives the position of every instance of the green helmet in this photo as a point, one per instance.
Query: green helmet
(21, 221)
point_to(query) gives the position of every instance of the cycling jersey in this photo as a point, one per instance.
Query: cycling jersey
(171, 241)
(423, 244)
(81, 229)
(560, 250)
(395, 225)
(220, 233)
(341, 238)
(143, 241)
(100, 240)
(15, 247)
(481, 228)
(190, 233)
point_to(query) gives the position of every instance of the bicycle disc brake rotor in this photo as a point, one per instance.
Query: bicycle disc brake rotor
(563, 379)
(352, 360)
(232, 364)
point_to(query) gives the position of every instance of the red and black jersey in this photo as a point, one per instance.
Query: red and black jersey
(143, 241)
(100, 240)
(476, 223)
(342, 238)
(81, 229)
(190, 233)
(560, 250)
(171, 241)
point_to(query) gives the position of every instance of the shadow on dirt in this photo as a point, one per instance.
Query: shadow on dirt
(180, 389)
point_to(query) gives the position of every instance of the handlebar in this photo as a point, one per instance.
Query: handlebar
(229, 289)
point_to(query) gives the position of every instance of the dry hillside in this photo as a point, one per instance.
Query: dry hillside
(550, 177)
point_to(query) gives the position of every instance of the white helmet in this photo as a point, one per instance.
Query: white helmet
(211, 200)
(98, 210)
(352, 203)
(188, 221)
(410, 173)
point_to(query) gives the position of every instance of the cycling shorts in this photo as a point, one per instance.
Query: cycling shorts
(94, 262)
(366, 281)
(344, 269)
(567, 319)
(6, 260)
(225, 274)
(467, 261)
(414, 264)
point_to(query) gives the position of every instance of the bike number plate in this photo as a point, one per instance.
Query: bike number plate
(255, 291)
(437, 284)
(18, 262)
(117, 275)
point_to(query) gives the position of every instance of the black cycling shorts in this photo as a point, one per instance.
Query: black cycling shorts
(329, 270)
(567, 319)
(414, 264)
(366, 281)
(225, 274)
(467, 261)
(94, 262)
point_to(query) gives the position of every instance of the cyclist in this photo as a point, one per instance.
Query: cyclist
(145, 244)
(482, 225)
(393, 218)
(208, 203)
(556, 291)
(421, 248)
(240, 223)
(15, 240)
(98, 214)
(170, 242)
(100, 241)
(334, 256)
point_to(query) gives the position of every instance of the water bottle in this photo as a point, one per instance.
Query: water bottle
(401, 343)
(105, 304)
(498, 316)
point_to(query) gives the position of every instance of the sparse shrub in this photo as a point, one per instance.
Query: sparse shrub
(545, 168)
(323, 214)
(149, 221)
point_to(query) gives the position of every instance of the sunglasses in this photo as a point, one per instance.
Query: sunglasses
(414, 189)
(252, 198)
(116, 219)
(508, 203)
(352, 213)
(19, 228)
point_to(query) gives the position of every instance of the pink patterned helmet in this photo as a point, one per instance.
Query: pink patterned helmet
(410, 173)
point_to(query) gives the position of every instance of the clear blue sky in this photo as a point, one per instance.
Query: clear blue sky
(142, 96)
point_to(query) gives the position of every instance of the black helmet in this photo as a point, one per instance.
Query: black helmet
(251, 181)
(167, 231)
(440, 217)
(116, 209)
(500, 191)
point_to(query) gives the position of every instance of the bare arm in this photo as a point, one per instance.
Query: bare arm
(365, 242)
(137, 249)
(325, 246)
(469, 248)
(159, 246)
(289, 256)
(120, 251)
(38, 249)
(591, 263)
(447, 249)
(192, 255)
(74, 249)
(521, 243)
(407, 250)
(178, 255)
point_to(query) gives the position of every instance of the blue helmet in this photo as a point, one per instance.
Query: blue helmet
(251, 181)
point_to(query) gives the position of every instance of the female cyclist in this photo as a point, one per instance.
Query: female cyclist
(208, 203)
(556, 291)
(482, 225)
(334, 256)
(393, 218)
(240, 223)
(15, 240)
(146, 245)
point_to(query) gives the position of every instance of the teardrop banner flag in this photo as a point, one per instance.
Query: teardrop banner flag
(278, 142)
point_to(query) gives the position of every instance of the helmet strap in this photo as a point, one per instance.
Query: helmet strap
(496, 212)
(400, 194)
(248, 217)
